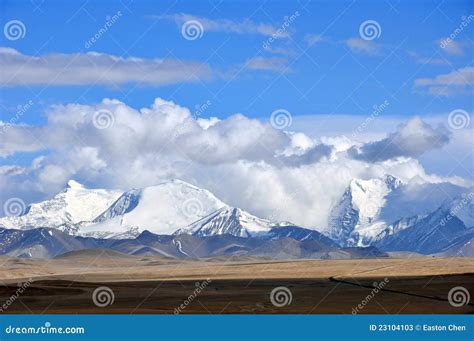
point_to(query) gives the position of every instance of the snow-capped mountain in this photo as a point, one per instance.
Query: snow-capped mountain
(100, 213)
(237, 222)
(449, 229)
(383, 212)
(162, 209)
(397, 217)
(228, 220)
(392, 228)
(354, 219)
(66, 210)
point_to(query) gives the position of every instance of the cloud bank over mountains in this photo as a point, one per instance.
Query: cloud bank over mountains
(246, 162)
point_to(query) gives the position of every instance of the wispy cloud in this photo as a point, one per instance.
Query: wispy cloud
(313, 39)
(283, 51)
(447, 84)
(267, 64)
(451, 47)
(359, 45)
(95, 68)
(427, 61)
(225, 25)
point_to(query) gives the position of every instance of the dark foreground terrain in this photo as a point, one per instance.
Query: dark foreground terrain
(150, 285)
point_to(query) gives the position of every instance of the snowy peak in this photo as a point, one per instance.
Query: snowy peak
(438, 232)
(228, 220)
(360, 218)
(73, 184)
(358, 208)
(75, 204)
(368, 196)
(161, 208)
(392, 182)
(370, 212)
(124, 204)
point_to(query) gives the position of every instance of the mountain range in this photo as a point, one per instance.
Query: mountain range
(48, 243)
(377, 214)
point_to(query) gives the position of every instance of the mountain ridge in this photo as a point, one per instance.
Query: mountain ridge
(175, 208)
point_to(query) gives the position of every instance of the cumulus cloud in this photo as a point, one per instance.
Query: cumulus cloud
(95, 68)
(225, 25)
(457, 81)
(165, 128)
(310, 156)
(410, 140)
(205, 123)
(246, 162)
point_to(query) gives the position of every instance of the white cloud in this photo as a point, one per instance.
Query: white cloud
(287, 50)
(359, 45)
(313, 39)
(267, 64)
(464, 76)
(19, 138)
(245, 162)
(456, 81)
(95, 68)
(225, 25)
(427, 61)
(451, 47)
(410, 140)
(205, 123)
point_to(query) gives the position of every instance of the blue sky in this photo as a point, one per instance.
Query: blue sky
(325, 64)
(326, 78)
